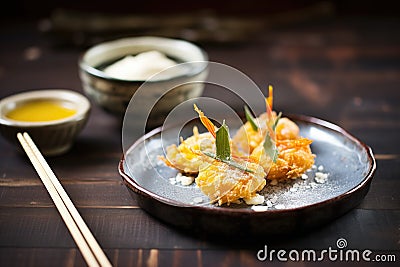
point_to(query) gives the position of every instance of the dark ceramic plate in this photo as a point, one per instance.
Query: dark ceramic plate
(293, 206)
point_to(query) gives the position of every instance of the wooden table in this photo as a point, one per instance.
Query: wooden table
(346, 71)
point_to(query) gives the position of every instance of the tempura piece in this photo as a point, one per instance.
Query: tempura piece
(287, 129)
(224, 183)
(247, 139)
(225, 178)
(294, 159)
(294, 152)
(275, 143)
(184, 156)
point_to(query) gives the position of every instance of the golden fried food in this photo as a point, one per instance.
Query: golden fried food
(185, 157)
(224, 183)
(294, 159)
(247, 139)
(287, 129)
(294, 153)
(230, 169)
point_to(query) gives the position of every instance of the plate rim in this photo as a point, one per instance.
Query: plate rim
(243, 212)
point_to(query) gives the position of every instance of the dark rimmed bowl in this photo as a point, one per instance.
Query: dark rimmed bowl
(113, 94)
(54, 137)
(350, 163)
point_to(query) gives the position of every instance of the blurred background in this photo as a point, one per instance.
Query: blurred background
(307, 49)
(82, 23)
(44, 8)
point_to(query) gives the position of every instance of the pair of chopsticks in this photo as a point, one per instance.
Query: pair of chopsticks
(87, 244)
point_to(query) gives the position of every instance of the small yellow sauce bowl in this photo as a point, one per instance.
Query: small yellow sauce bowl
(53, 118)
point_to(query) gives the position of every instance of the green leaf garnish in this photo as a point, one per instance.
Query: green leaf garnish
(223, 148)
(270, 147)
(276, 121)
(229, 162)
(250, 118)
(269, 143)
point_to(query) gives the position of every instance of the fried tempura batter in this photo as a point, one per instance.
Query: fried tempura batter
(184, 156)
(267, 147)
(293, 160)
(226, 184)
(247, 139)
(294, 153)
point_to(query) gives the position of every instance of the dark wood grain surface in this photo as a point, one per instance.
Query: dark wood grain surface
(343, 70)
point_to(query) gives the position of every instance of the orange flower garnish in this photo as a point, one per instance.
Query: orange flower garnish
(206, 121)
(269, 104)
(270, 98)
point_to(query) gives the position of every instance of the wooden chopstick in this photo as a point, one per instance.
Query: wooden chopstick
(87, 244)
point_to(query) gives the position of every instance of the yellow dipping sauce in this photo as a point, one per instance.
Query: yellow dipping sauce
(39, 111)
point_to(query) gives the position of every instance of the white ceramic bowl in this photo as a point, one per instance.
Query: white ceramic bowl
(53, 137)
(114, 94)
